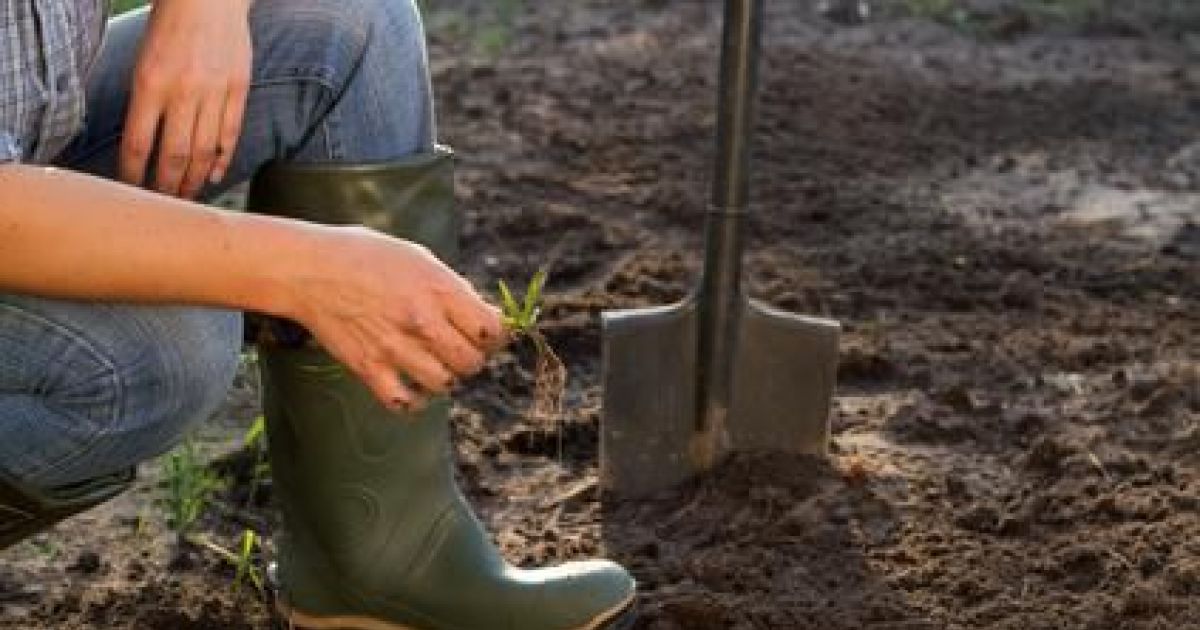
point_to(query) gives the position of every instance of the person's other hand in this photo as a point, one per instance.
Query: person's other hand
(189, 94)
(386, 307)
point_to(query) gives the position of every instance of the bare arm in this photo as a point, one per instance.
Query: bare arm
(381, 305)
(68, 235)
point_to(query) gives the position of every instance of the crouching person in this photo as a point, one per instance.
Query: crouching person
(121, 297)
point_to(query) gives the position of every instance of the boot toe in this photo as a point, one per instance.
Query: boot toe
(587, 595)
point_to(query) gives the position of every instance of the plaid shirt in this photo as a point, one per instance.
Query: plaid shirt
(49, 47)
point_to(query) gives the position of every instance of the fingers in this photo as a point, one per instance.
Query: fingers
(432, 355)
(230, 127)
(205, 148)
(477, 321)
(175, 147)
(457, 352)
(441, 354)
(199, 135)
(424, 370)
(141, 128)
(389, 388)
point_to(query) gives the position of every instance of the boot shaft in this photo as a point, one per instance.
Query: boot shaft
(410, 198)
(376, 532)
(349, 472)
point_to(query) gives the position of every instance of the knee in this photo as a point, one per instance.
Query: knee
(368, 63)
(177, 373)
(393, 90)
(389, 24)
(107, 386)
(336, 30)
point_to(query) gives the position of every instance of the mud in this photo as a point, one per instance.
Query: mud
(1005, 223)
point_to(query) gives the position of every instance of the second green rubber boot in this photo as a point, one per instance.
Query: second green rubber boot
(377, 535)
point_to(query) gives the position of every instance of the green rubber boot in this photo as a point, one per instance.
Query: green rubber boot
(377, 535)
(25, 512)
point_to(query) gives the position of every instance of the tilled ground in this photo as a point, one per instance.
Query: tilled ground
(1008, 230)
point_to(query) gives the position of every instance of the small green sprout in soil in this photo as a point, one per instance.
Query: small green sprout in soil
(45, 547)
(550, 375)
(255, 440)
(246, 568)
(189, 484)
(243, 560)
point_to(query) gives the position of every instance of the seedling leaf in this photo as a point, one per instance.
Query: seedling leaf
(511, 310)
(254, 434)
(245, 562)
(189, 484)
(533, 295)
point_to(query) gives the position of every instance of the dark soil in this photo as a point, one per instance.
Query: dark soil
(1007, 224)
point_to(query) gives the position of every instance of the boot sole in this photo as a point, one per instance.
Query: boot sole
(619, 618)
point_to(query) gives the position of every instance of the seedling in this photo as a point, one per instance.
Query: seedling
(141, 526)
(242, 560)
(190, 484)
(246, 568)
(550, 376)
(255, 439)
(254, 435)
(45, 546)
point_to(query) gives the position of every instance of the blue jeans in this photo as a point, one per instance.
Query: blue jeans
(90, 389)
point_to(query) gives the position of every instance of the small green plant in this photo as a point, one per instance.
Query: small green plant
(254, 435)
(255, 440)
(246, 569)
(189, 485)
(243, 560)
(521, 317)
(141, 525)
(550, 375)
(45, 547)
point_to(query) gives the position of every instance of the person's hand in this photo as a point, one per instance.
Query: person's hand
(189, 94)
(385, 307)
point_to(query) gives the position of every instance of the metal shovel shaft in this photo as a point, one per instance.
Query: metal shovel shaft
(735, 105)
(720, 293)
(688, 383)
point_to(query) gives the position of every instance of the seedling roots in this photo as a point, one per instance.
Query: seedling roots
(549, 382)
(550, 375)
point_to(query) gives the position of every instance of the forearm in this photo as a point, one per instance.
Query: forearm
(68, 235)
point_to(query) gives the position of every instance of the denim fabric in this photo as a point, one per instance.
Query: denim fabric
(333, 80)
(89, 389)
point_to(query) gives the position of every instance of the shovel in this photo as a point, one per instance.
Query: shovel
(686, 384)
